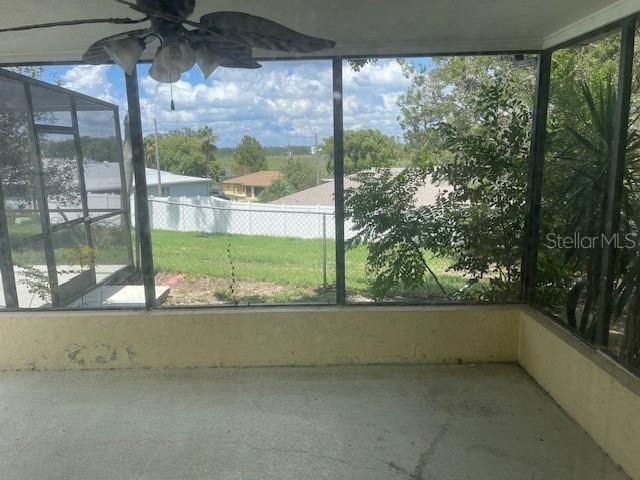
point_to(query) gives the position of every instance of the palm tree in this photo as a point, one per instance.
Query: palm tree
(150, 152)
(207, 146)
(585, 154)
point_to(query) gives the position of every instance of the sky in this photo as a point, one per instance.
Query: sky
(280, 104)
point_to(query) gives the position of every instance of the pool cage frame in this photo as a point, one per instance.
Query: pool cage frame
(62, 293)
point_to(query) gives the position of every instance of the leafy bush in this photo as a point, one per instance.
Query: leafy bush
(477, 219)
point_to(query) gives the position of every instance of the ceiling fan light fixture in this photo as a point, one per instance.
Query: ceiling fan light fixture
(162, 74)
(208, 60)
(125, 52)
(228, 38)
(176, 54)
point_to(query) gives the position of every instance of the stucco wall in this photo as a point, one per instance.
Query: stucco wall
(602, 397)
(597, 393)
(264, 336)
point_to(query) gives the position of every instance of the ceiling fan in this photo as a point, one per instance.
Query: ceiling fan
(219, 39)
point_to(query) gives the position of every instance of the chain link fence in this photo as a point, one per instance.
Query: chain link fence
(214, 215)
(218, 216)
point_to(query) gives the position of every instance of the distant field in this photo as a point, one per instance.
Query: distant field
(274, 162)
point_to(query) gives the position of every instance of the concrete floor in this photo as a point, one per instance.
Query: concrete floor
(375, 422)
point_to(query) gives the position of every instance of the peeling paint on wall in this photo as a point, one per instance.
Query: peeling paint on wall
(95, 354)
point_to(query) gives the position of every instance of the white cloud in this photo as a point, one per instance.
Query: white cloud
(91, 80)
(371, 96)
(284, 102)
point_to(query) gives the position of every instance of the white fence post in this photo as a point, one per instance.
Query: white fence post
(151, 215)
(183, 216)
(284, 220)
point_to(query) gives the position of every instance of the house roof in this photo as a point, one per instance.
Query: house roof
(359, 27)
(105, 177)
(323, 194)
(263, 178)
(168, 178)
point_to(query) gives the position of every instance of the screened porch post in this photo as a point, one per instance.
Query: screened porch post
(615, 178)
(531, 236)
(6, 262)
(338, 179)
(143, 225)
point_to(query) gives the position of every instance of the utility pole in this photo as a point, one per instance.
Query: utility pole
(155, 128)
(317, 154)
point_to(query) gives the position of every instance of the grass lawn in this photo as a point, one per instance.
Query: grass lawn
(268, 269)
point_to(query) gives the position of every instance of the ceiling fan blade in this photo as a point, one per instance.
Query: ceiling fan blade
(249, 65)
(259, 32)
(238, 61)
(96, 54)
(236, 56)
(155, 12)
(177, 9)
(67, 23)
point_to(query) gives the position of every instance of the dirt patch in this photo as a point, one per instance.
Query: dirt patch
(172, 280)
(217, 291)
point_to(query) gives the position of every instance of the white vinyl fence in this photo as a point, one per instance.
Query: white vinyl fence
(215, 215)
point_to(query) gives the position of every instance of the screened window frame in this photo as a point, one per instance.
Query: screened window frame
(531, 213)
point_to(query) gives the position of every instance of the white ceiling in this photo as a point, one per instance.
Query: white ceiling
(360, 27)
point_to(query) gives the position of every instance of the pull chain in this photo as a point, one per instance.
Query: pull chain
(173, 105)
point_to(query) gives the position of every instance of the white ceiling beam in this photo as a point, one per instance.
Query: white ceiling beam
(599, 19)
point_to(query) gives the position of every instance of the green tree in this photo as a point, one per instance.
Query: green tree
(364, 149)
(185, 152)
(300, 174)
(445, 92)
(249, 156)
(36, 72)
(478, 221)
(100, 149)
(278, 189)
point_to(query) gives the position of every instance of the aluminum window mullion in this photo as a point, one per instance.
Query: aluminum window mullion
(6, 263)
(338, 179)
(54, 129)
(43, 202)
(531, 232)
(106, 216)
(615, 179)
(125, 200)
(143, 226)
(81, 179)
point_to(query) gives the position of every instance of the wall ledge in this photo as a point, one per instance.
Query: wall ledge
(599, 394)
(591, 353)
(258, 309)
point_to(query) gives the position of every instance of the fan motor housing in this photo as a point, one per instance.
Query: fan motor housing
(177, 8)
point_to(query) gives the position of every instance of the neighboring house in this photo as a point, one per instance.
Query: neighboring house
(250, 185)
(173, 185)
(105, 178)
(323, 194)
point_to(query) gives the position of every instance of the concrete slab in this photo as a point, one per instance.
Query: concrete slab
(119, 295)
(126, 296)
(373, 422)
